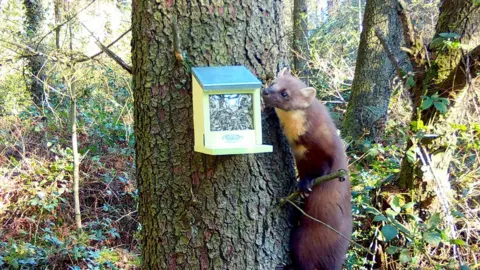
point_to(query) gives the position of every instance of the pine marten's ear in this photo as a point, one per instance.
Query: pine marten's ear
(282, 72)
(308, 93)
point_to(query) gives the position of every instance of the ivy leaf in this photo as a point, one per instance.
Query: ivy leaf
(379, 218)
(404, 256)
(427, 103)
(449, 35)
(392, 250)
(457, 213)
(411, 155)
(408, 205)
(410, 82)
(433, 221)
(464, 267)
(432, 237)
(441, 107)
(436, 42)
(458, 242)
(389, 232)
(395, 205)
(391, 213)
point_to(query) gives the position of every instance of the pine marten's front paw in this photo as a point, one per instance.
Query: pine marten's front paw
(305, 186)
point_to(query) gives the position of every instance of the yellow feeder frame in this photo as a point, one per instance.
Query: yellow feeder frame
(226, 81)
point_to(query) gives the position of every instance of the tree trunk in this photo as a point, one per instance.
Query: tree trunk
(57, 6)
(372, 84)
(34, 13)
(300, 38)
(447, 76)
(199, 211)
(332, 8)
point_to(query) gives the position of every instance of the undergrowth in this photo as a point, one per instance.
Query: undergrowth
(36, 208)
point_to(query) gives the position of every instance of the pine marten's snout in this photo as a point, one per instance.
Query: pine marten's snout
(267, 91)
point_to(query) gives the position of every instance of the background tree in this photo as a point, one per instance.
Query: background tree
(200, 211)
(300, 38)
(441, 74)
(374, 72)
(34, 23)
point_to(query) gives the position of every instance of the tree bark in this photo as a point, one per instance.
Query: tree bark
(199, 211)
(448, 76)
(300, 38)
(374, 72)
(34, 13)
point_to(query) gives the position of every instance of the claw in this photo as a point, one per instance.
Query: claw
(305, 186)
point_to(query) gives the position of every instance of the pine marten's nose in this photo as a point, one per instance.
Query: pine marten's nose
(267, 91)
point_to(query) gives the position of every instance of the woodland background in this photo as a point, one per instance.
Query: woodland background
(409, 118)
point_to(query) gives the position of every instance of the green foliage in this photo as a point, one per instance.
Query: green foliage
(446, 41)
(438, 102)
(50, 251)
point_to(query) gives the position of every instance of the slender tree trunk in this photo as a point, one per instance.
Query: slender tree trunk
(76, 161)
(57, 6)
(360, 16)
(199, 211)
(73, 120)
(300, 38)
(34, 11)
(371, 87)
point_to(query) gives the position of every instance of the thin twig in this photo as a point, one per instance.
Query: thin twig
(126, 215)
(400, 72)
(63, 23)
(331, 228)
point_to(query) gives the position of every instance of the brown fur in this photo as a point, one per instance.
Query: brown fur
(318, 151)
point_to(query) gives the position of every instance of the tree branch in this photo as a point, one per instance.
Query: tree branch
(32, 51)
(109, 52)
(400, 72)
(108, 46)
(408, 31)
(340, 174)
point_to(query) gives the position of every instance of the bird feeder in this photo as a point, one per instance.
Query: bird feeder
(226, 111)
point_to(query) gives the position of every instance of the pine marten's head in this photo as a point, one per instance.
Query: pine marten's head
(288, 92)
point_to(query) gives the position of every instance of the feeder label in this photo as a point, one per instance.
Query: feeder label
(232, 138)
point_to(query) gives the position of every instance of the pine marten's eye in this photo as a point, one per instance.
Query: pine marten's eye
(284, 94)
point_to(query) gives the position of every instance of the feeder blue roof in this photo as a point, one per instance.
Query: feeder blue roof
(225, 78)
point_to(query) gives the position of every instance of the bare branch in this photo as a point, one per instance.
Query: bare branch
(33, 52)
(408, 31)
(340, 174)
(63, 23)
(108, 46)
(109, 52)
(400, 72)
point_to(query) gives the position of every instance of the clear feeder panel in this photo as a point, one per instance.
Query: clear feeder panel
(231, 112)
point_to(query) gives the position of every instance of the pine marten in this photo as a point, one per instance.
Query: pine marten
(318, 151)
